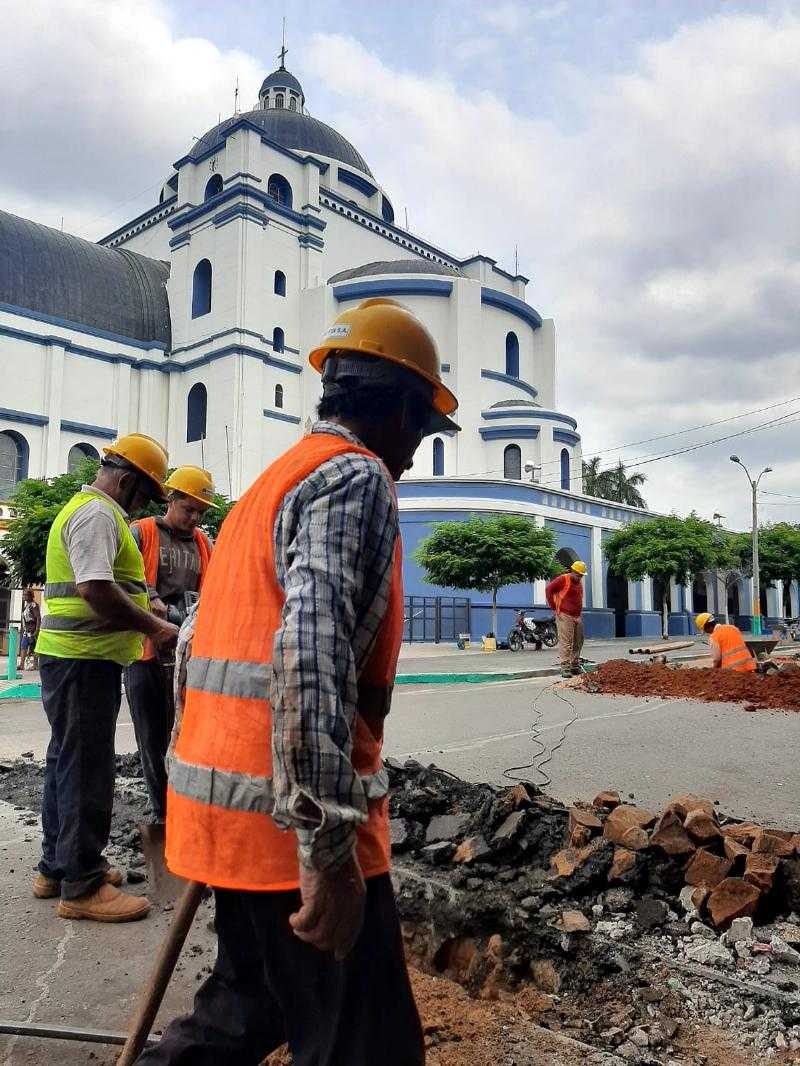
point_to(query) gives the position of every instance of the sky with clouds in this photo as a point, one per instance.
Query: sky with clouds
(644, 158)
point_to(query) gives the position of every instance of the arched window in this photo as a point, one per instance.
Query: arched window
(279, 99)
(279, 396)
(512, 463)
(201, 289)
(213, 186)
(280, 283)
(564, 468)
(78, 454)
(438, 457)
(279, 188)
(512, 355)
(13, 461)
(196, 408)
(292, 103)
(277, 339)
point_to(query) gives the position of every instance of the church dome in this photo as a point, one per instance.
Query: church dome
(289, 129)
(396, 266)
(282, 119)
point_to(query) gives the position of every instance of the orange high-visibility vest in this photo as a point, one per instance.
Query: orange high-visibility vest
(150, 553)
(735, 653)
(219, 799)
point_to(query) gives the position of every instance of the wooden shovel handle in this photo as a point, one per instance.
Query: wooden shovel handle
(160, 976)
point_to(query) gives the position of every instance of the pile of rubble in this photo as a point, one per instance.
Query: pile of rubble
(610, 922)
(778, 690)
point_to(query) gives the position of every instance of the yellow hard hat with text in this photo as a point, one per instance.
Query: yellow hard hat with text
(579, 568)
(143, 453)
(385, 329)
(192, 481)
(703, 619)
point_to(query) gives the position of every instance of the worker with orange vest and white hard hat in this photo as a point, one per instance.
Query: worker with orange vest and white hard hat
(728, 649)
(277, 791)
(565, 598)
(176, 554)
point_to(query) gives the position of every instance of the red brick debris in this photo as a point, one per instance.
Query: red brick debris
(779, 690)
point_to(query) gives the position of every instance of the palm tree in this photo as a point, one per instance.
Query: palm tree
(614, 484)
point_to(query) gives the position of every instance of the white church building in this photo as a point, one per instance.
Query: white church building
(193, 321)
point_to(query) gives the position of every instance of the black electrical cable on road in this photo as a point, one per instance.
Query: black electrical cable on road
(538, 763)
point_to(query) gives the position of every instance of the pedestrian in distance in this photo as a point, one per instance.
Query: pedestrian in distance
(565, 598)
(277, 790)
(176, 554)
(728, 649)
(31, 623)
(97, 611)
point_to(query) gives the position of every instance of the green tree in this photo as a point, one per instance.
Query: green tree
(614, 483)
(36, 504)
(665, 548)
(486, 554)
(778, 552)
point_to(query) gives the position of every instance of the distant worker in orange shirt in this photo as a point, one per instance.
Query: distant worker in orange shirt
(728, 649)
(565, 598)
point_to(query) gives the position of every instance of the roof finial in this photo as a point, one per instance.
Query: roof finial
(284, 49)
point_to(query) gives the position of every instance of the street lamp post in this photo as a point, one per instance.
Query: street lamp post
(756, 580)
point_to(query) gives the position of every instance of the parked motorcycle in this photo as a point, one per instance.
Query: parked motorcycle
(529, 630)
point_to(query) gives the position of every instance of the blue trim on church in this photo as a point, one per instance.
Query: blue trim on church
(507, 379)
(508, 432)
(505, 302)
(23, 418)
(90, 431)
(358, 290)
(355, 181)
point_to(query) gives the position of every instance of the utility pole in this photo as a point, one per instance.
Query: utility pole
(756, 580)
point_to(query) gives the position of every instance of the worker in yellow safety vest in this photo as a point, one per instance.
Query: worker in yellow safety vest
(728, 649)
(277, 791)
(97, 611)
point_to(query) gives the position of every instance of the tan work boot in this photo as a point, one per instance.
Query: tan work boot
(49, 888)
(107, 904)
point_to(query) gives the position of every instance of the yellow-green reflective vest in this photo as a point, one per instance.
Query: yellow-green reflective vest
(70, 628)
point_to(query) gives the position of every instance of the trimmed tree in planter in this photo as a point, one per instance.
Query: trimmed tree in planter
(486, 554)
(666, 548)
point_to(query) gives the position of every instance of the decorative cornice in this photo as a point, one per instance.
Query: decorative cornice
(507, 379)
(90, 431)
(505, 302)
(358, 290)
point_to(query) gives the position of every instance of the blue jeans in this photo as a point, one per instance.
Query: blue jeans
(81, 699)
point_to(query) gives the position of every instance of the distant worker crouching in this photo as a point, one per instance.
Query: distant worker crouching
(728, 649)
(176, 555)
(565, 598)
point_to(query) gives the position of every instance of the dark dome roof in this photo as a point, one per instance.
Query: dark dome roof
(281, 79)
(396, 266)
(54, 273)
(289, 129)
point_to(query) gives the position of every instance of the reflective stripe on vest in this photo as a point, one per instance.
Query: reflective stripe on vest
(739, 654)
(58, 623)
(55, 589)
(243, 792)
(229, 677)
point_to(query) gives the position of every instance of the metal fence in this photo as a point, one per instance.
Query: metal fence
(436, 618)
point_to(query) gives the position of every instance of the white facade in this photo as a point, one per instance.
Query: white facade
(73, 386)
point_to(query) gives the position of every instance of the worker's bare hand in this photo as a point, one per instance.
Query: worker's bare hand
(158, 607)
(165, 636)
(333, 908)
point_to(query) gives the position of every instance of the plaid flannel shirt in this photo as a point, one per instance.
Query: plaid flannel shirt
(335, 536)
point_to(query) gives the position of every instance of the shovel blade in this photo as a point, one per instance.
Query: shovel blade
(163, 885)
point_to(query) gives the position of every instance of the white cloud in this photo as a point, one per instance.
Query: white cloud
(662, 235)
(99, 97)
(510, 17)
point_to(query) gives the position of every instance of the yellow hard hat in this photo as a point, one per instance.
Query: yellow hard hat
(385, 329)
(192, 481)
(703, 619)
(579, 568)
(143, 453)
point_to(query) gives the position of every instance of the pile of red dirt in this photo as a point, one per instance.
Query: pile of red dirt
(779, 690)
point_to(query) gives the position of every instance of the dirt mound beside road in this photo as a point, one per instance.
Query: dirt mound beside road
(779, 691)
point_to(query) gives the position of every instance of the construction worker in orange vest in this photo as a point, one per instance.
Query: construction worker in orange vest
(277, 791)
(176, 554)
(728, 649)
(565, 597)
